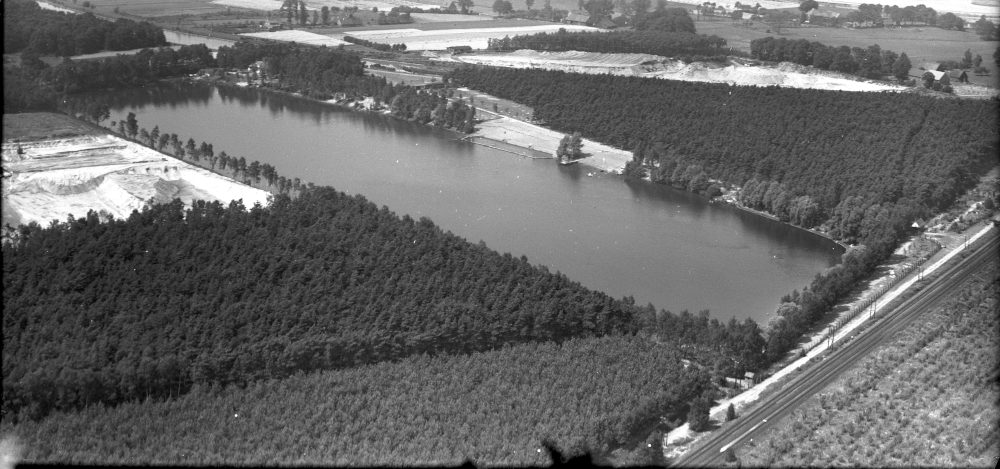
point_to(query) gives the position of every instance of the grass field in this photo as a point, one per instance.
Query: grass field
(157, 8)
(926, 398)
(919, 43)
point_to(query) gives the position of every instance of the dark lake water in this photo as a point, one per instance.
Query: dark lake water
(668, 247)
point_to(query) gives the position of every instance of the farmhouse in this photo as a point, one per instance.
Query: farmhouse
(958, 76)
(576, 17)
(940, 77)
(602, 22)
(459, 49)
(818, 17)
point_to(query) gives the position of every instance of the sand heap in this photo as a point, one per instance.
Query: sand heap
(51, 179)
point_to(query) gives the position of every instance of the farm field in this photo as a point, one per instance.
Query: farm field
(447, 18)
(932, 390)
(302, 37)
(158, 8)
(919, 43)
(311, 5)
(477, 38)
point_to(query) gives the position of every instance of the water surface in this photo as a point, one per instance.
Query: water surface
(657, 244)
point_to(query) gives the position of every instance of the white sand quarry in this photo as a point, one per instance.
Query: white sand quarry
(476, 38)
(784, 74)
(301, 37)
(59, 177)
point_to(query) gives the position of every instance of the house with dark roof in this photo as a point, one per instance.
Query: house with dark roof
(602, 22)
(958, 76)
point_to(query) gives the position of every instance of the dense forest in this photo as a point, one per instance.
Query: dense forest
(26, 26)
(864, 178)
(654, 42)
(868, 62)
(34, 86)
(494, 407)
(171, 298)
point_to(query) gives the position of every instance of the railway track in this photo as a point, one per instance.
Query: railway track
(820, 375)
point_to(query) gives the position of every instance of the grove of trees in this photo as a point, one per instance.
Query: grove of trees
(26, 26)
(868, 62)
(640, 42)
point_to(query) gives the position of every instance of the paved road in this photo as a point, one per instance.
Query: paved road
(816, 378)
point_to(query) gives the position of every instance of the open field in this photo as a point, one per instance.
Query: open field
(784, 74)
(477, 38)
(447, 18)
(157, 8)
(302, 37)
(63, 168)
(269, 5)
(919, 43)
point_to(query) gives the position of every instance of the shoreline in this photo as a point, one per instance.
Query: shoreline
(740, 206)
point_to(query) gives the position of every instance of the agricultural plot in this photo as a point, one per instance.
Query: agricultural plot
(477, 38)
(157, 8)
(270, 5)
(301, 37)
(446, 18)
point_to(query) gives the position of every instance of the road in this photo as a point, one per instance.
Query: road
(820, 375)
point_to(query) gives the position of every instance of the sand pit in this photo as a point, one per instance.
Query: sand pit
(784, 74)
(55, 178)
(301, 37)
(477, 38)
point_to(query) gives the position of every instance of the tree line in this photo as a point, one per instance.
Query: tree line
(45, 32)
(641, 42)
(376, 45)
(869, 62)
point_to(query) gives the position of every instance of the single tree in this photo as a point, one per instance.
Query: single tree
(154, 136)
(132, 125)
(163, 141)
(529, 3)
(144, 136)
(928, 78)
(325, 14)
(985, 29)
(808, 5)
(730, 456)
(730, 413)
(698, 417)
(901, 67)
(465, 6)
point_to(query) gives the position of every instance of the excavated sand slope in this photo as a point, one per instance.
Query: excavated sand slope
(55, 178)
(784, 74)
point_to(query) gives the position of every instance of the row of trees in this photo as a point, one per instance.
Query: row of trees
(640, 42)
(376, 45)
(868, 62)
(47, 32)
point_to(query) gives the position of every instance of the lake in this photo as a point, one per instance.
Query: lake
(624, 237)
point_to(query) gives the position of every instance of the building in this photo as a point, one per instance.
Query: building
(958, 76)
(602, 22)
(822, 17)
(939, 77)
(576, 17)
(459, 49)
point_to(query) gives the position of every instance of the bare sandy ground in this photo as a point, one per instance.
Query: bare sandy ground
(526, 135)
(477, 38)
(55, 178)
(785, 74)
(302, 37)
